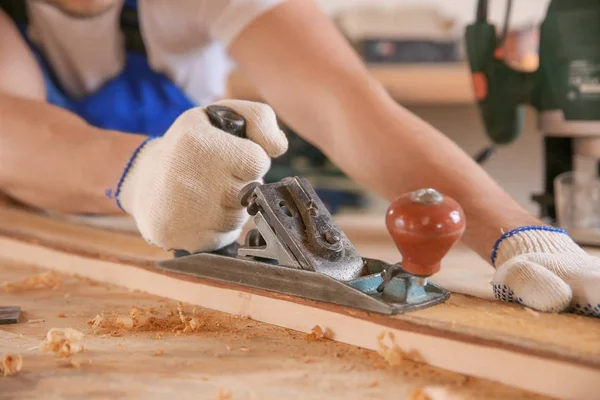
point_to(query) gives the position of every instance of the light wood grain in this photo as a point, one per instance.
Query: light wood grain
(558, 355)
(250, 359)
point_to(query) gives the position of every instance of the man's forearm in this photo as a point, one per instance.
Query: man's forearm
(322, 90)
(392, 151)
(51, 159)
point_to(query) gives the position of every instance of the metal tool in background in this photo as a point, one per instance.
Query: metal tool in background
(564, 89)
(297, 249)
(10, 315)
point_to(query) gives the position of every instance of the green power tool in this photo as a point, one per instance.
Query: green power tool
(565, 89)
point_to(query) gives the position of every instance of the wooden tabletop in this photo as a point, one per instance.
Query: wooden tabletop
(229, 358)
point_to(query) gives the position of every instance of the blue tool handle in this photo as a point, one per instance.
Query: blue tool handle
(227, 120)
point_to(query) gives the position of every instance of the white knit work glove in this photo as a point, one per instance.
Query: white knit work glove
(543, 268)
(182, 189)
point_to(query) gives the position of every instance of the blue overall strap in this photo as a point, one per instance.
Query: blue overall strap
(138, 100)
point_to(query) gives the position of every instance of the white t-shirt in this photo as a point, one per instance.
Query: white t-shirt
(185, 39)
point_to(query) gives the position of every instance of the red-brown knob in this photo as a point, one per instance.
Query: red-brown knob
(424, 225)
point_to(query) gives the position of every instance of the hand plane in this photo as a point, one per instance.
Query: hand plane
(297, 249)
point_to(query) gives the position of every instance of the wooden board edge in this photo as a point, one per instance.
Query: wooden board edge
(401, 322)
(525, 371)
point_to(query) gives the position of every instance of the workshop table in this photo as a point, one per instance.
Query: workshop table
(229, 358)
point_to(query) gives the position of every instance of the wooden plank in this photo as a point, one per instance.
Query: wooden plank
(411, 84)
(248, 358)
(557, 355)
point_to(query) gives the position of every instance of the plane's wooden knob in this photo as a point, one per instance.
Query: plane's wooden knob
(424, 225)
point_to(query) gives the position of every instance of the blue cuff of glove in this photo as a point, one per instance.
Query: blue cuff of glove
(109, 192)
(519, 230)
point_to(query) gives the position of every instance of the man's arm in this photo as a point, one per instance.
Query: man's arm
(50, 158)
(316, 83)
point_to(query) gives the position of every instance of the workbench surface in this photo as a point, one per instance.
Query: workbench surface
(229, 358)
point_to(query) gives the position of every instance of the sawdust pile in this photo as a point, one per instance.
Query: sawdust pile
(63, 342)
(393, 354)
(11, 364)
(142, 320)
(224, 394)
(435, 392)
(418, 394)
(158, 352)
(317, 333)
(45, 280)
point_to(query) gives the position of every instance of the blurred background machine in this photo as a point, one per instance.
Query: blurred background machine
(562, 82)
(401, 34)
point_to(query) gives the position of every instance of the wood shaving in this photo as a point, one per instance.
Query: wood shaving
(62, 342)
(418, 394)
(141, 320)
(192, 324)
(45, 280)
(224, 394)
(61, 315)
(11, 364)
(159, 352)
(36, 321)
(317, 333)
(74, 363)
(245, 349)
(374, 384)
(394, 355)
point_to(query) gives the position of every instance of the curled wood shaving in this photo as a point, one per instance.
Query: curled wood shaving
(318, 333)
(418, 394)
(224, 394)
(62, 342)
(434, 393)
(11, 364)
(393, 354)
(74, 363)
(192, 324)
(141, 320)
(99, 322)
(45, 280)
